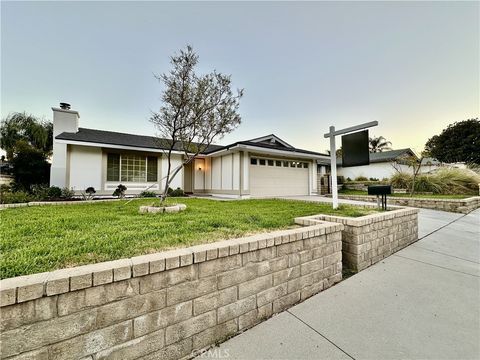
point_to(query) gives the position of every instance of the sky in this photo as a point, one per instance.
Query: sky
(304, 66)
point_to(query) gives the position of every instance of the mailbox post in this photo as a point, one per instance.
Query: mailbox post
(380, 190)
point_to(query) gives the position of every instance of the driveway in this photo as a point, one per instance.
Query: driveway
(420, 303)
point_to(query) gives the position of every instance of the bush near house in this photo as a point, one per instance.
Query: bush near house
(148, 194)
(8, 195)
(176, 193)
(444, 181)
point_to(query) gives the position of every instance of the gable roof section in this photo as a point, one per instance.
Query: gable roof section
(263, 145)
(271, 140)
(116, 138)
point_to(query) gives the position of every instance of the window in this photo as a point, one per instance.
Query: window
(305, 165)
(262, 161)
(132, 168)
(113, 167)
(285, 164)
(253, 161)
(270, 162)
(152, 170)
(278, 163)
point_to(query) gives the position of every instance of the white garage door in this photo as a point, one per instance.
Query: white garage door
(270, 177)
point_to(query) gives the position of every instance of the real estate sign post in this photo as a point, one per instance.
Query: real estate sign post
(333, 156)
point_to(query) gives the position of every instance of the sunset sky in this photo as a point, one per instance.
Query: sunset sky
(412, 66)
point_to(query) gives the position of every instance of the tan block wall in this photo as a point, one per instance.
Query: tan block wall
(366, 245)
(463, 206)
(166, 305)
(368, 239)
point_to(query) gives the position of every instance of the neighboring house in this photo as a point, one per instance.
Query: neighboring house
(261, 167)
(382, 165)
(431, 165)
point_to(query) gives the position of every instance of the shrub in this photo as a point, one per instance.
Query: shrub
(447, 181)
(88, 193)
(348, 179)
(401, 180)
(457, 181)
(120, 191)
(177, 193)
(361, 178)
(148, 194)
(373, 179)
(8, 196)
(39, 192)
(54, 192)
(67, 193)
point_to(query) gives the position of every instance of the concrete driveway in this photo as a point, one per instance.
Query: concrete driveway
(420, 303)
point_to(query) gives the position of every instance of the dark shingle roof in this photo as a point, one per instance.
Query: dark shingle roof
(389, 155)
(140, 141)
(116, 138)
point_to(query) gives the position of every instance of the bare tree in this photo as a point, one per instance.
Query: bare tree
(196, 110)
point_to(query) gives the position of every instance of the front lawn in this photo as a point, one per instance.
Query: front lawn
(423, 196)
(43, 238)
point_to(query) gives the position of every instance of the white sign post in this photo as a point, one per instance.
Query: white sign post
(333, 155)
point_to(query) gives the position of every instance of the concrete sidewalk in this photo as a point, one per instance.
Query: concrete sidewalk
(420, 303)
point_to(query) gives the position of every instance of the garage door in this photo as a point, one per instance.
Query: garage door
(271, 177)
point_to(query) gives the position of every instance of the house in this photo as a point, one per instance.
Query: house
(382, 165)
(262, 167)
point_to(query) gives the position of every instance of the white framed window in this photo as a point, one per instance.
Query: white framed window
(132, 168)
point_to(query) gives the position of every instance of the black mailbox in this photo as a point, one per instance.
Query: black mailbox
(379, 189)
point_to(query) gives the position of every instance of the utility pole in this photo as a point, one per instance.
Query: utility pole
(333, 156)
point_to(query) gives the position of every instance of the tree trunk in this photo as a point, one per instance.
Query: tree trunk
(163, 197)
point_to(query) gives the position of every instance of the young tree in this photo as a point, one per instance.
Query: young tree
(379, 144)
(459, 142)
(196, 110)
(414, 163)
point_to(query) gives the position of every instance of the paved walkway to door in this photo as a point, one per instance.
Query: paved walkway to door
(420, 303)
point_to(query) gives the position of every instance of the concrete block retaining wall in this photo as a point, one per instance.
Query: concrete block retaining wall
(166, 305)
(368, 239)
(463, 206)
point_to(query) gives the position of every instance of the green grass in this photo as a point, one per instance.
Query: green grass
(423, 196)
(43, 238)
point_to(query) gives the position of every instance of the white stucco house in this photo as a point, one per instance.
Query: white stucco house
(262, 167)
(382, 165)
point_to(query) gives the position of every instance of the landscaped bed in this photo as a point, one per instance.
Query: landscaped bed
(426, 196)
(44, 238)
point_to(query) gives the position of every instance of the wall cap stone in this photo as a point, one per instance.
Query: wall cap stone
(358, 221)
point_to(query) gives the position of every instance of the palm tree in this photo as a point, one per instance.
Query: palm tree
(379, 144)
